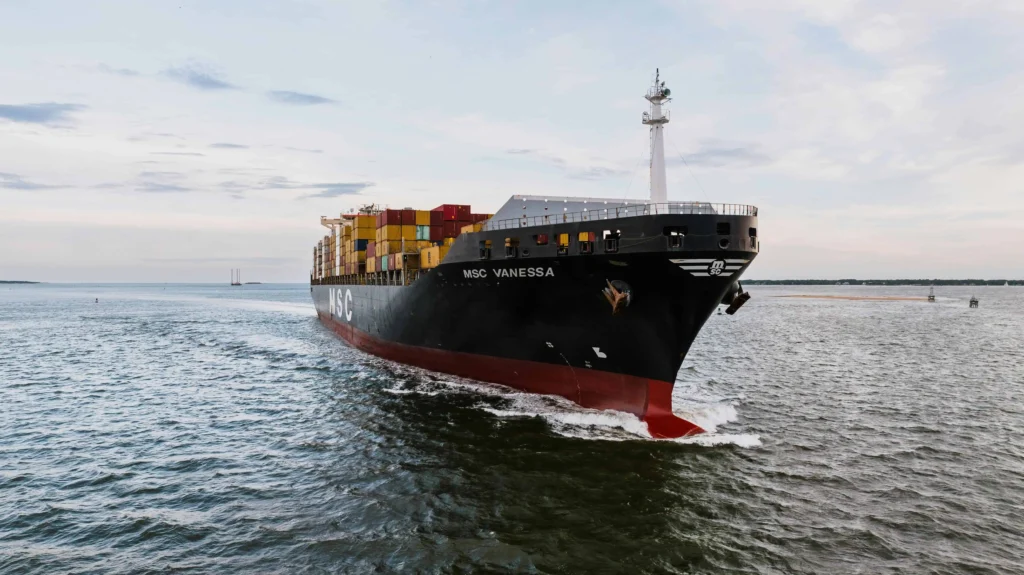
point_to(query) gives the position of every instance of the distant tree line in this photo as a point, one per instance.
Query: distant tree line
(919, 282)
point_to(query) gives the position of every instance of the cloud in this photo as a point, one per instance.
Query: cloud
(228, 146)
(339, 189)
(160, 188)
(41, 113)
(118, 71)
(298, 98)
(198, 76)
(307, 150)
(177, 153)
(326, 189)
(714, 155)
(597, 173)
(16, 182)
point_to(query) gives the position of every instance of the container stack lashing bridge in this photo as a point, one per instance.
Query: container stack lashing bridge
(734, 298)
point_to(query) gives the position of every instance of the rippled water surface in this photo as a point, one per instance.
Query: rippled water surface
(223, 430)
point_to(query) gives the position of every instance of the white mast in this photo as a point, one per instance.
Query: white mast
(656, 119)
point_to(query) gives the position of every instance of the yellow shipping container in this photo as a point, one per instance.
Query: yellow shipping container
(363, 233)
(391, 233)
(472, 228)
(389, 247)
(431, 257)
(347, 233)
(422, 244)
(409, 233)
(357, 256)
(449, 241)
(422, 218)
(366, 222)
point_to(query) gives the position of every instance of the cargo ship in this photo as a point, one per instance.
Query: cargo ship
(592, 299)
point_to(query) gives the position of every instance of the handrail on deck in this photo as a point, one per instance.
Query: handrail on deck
(630, 211)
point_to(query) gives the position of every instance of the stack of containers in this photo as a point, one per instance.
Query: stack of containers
(363, 232)
(453, 218)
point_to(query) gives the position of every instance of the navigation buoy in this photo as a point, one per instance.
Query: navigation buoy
(974, 302)
(931, 294)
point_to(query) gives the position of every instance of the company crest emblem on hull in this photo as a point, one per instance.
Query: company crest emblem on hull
(710, 267)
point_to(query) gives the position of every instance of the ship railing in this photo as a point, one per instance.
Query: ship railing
(629, 211)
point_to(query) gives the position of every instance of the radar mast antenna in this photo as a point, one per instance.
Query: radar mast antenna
(657, 95)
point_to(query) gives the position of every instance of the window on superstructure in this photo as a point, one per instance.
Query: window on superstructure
(485, 249)
(541, 239)
(723, 228)
(611, 241)
(511, 247)
(563, 244)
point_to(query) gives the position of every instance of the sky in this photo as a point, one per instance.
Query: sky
(171, 141)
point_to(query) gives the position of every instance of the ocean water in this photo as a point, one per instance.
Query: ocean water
(208, 429)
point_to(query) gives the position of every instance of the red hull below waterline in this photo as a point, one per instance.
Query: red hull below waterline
(648, 399)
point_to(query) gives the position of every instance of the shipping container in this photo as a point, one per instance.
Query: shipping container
(436, 218)
(371, 250)
(390, 233)
(389, 218)
(383, 264)
(364, 233)
(470, 228)
(448, 241)
(436, 232)
(408, 217)
(432, 256)
(464, 213)
(451, 229)
(422, 232)
(347, 232)
(422, 218)
(358, 256)
(449, 212)
(366, 221)
(388, 247)
(361, 245)
(371, 265)
(477, 218)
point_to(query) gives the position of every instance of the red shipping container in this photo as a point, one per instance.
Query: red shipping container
(451, 229)
(436, 218)
(449, 212)
(464, 214)
(371, 250)
(408, 217)
(477, 218)
(436, 232)
(391, 262)
(389, 218)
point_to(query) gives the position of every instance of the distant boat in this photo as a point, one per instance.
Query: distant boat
(236, 277)
(253, 283)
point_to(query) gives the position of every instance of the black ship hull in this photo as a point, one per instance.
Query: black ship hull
(605, 330)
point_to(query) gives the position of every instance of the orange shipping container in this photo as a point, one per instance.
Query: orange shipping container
(422, 218)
